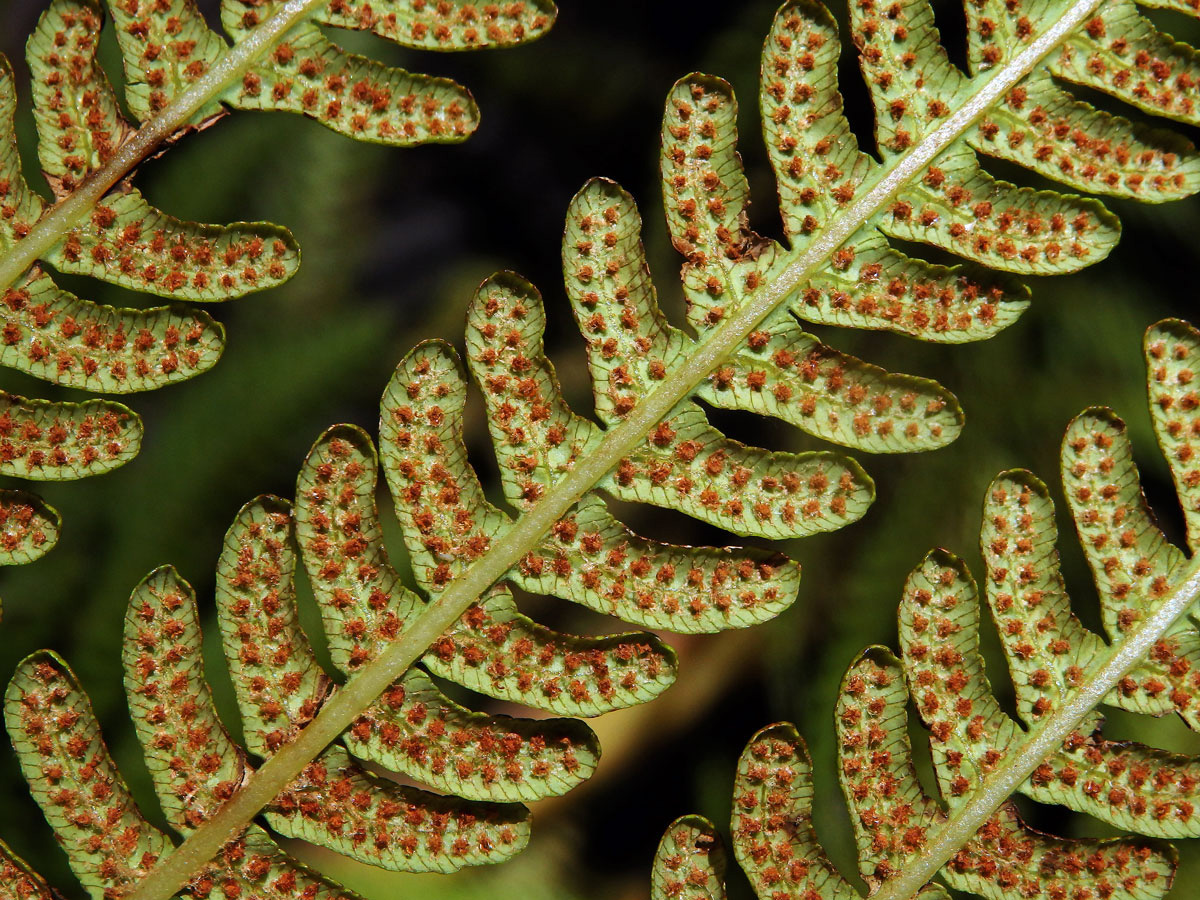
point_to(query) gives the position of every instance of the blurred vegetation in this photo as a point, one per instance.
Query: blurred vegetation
(394, 242)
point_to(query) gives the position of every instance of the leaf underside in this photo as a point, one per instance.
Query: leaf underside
(486, 765)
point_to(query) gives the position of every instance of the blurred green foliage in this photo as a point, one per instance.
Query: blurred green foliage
(393, 243)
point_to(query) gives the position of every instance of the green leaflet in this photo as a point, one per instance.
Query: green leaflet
(101, 226)
(167, 47)
(1172, 355)
(339, 805)
(356, 96)
(47, 441)
(164, 48)
(192, 760)
(78, 120)
(353, 95)
(52, 727)
(19, 206)
(774, 839)
(498, 651)
(1051, 658)
(280, 683)
(309, 74)
(363, 602)
(253, 862)
(445, 25)
(485, 757)
(690, 863)
(56, 336)
(17, 880)
(128, 242)
(28, 527)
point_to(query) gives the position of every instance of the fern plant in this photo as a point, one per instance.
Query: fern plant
(746, 351)
(1056, 753)
(180, 76)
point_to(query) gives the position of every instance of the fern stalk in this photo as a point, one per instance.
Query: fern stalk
(174, 872)
(998, 786)
(60, 218)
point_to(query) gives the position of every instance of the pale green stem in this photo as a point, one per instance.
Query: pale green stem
(943, 842)
(340, 711)
(54, 224)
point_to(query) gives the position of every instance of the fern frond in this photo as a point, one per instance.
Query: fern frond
(181, 76)
(654, 445)
(1056, 752)
(413, 727)
(195, 764)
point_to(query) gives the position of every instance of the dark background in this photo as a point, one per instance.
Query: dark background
(394, 242)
